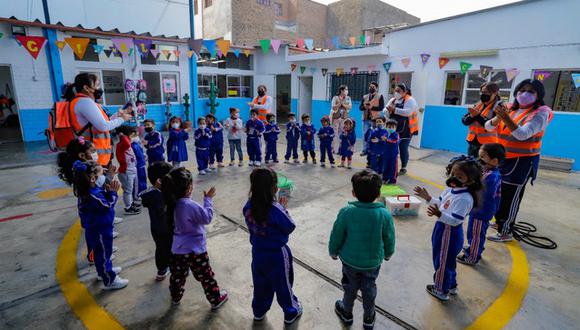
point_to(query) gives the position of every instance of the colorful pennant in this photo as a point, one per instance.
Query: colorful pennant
(339, 71)
(352, 41)
(425, 58)
(293, 66)
(300, 43)
(224, 46)
(189, 53)
(154, 52)
(302, 69)
(195, 45)
(276, 45)
(210, 46)
(98, 48)
(1, 35)
(237, 52)
(576, 79)
(324, 71)
(464, 66)
(78, 45)
(219, 53)
(443, 62)
(108, 52)
(247, 52)
(362, 39)
(177, 53)
(166, 53)
(32, 44)
(406, 61)
(143, 46)
(123, 45)
(511, 73)
(485, 70)
(265, 44)
(309, 43)
(542, 75)
(387, 66)
(131, 51)
(354, 70)
(60, 44)
(368, 40)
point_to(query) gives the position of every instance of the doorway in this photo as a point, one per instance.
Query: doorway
(9, 120)
(283, 97)
(396, 78)
(305, 96)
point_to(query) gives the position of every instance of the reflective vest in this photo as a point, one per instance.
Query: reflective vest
(375, 101)
(261, 112)
(101, 139)
(515, 148)
(413, 119)
(476, 130)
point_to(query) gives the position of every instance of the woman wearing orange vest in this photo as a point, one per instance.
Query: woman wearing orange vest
(476, 117)
(403, 109)
(520, 129)
(262, 103)
(88, 116)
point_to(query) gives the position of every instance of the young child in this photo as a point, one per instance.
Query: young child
(153, 142)
(362, 236)
(390, 153)
(347, 142)
(491, 155)
(271, 137)
(203, 138)
(189, 241)
(451, 208)
(307, 132)
(140, 162)
(128, 169)
(377, 145)
(292, 137)
(254, 130)
(270, 226)
(326, 136)
(161, 231)
(367, 137)
(176, 147)
(234, 126)
(216, 146)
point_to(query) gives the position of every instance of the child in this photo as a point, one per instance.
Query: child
(176, 147)
(140, 158)
(127, 169)
(202, 138)
(377, 145)
(307, 132)
(270, 226)
(490, 156)
(347, 142)
(254, 130)
(451, 208)
(271, 137)
(153, 142)
(234, 126)
(292, 137)
(216, 146)
(189, 242)
(367, 139)
(390, 153)
(161, 231)
(362, 236)
(326, 136)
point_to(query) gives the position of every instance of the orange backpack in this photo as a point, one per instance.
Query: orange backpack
(60, 130)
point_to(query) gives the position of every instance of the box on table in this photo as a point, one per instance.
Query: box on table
(403, 205)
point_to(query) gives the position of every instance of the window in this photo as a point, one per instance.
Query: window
(277, 9)
(453, 88)
(561, 94)
(167, 55)
(266, 3)
(398, 78)
(113, 85)
(207, 3)
(459, 90)
(204, 83)
(153, 80)
(247, 86)
(230, 62)
(169, 86)
(239, 86)
(358, 84)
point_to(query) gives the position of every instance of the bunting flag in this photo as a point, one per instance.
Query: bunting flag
(300, 43)
(354, 70)
(237, 52)
(576, 79)
(247, 52)
(166, 53)
(98, 48)
(143, 46)
(108, 52)
(293, 66)
(131, 51)
(78, 45)
(324, 71)
(387, 66)
(32, 44)
(368, 40)
(542, 75)
(339, 71)
(195, 45)
(265, 44)
(210, 46)
(443, 62)
(336, 42)
(123, 45)
(177, 53)
(17, 41)
(406, 61)
(352, 41)
(189, 53)
(425, 58)
(60, 44)
(362, 39)
(154, 52)
(302, 69)
(312, 70)
(464, 66)
(276, 45)
(485, 70)
(309, 43)
(219, 53)
(511, 73)
(371, 68)
(224, 46)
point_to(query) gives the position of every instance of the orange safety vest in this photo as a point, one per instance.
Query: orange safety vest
(476, 130)
(413, 118)
(515, 148)
(101, 139)
(261, 112)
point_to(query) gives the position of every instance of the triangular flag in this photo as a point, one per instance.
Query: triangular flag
(368, 40)
(339, 71)
(324, 71)
(78, 45)
(108, 52)
(219, 53)
(406, 61)
(237, 52)
(123, 45)
(352, 41)
(336, 42)
(300, 43)
(143, 45)
(177, 53)
(32, 44)
(576, 79)
(210, 46)
(131, 51)
(464, 66)
(195, 45)
(312, 70)
(60, 44)
(485, 70)
(98, 48)
(362, 39)
(276, 45)
(155, 53)
(371, 68)
(17, 41)
(265, 44)
(542, 75)
(293, 66)
(511, 73)
(166, 53)
(224, 46)
(302, 69)
(354, 70)
(189, 53)
(424, 58)
(387, 66)
(247, 52)
(443, 62)
(309, 43)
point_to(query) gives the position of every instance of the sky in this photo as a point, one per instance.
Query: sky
(428, 10)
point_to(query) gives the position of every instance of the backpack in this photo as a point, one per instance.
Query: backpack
(142, 85)
(130, 85)
(60, 130)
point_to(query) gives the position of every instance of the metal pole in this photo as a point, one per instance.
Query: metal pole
(52, 56)
(192, 67)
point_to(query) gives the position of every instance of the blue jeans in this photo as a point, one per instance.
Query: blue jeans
(236, 145)
(354, 280)
(404, 151)
(366, 127)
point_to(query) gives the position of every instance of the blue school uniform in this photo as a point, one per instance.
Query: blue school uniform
(202, 146)
(347, 141)
(271, 137)
(292, 137)
(367, 140)
(254, 130)
(326, 136)
(176, 148)
(307, 139)
(141, 172)
(272, 269)
(154, 146)
(216, 148)
(389, 158)
(377, 148)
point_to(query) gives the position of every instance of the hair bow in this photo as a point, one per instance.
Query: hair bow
(79, 166)
(81, 140)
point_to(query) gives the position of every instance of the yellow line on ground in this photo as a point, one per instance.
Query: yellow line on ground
(76, 293)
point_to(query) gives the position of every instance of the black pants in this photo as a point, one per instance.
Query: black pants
(163, 243)
(473, 148)
(312, 154)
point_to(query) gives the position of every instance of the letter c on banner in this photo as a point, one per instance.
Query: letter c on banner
(32, 46)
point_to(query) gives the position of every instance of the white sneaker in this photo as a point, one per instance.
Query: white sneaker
(202, 172)
(115, 234)
(117, 271)
(112, 257)
(232, 164)
(208, 170)
(117, 284)
(257, 164)
(250, 163)
(115, 249)
(117, 220)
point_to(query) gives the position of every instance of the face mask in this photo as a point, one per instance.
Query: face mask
(148, 129)
(135, 139)
(175, 125)
(95, 156)
(485, 98)
(453, 182)
(391, 130)
(380, 125)
(292, 120)
(526, 98)
(202, 126)
(261, 93)
(235, 116)
(98, 93)
(372, 90)
(271, 121)
(307, 122)
(100, 180)
(398, 96)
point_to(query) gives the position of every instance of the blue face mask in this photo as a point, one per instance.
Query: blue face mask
(391, 130)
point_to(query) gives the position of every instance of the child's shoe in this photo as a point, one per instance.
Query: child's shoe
(454, 291)
(369, 322)
(432, 291)
(305, 161)
(161, 274)
(259, 318)
(222, 300)
(208, 170)
(344, 316)
(117, 271)
(287, 161)
(202, 172)
(131, 211)
(462, 259)
(221, 165)
(322, 165)
(275, 161)
(349, 166)
(267, 162)
(232, 163)
(117, 284)
(117, 220)
(500, 238)
(241, 163)
(341, 165)
(115, 234)
(176, 302)
(257, 164)
(292, 320)
(296, 161)
(314, 161)
(403, 171)
(331, 165)
(251, 163)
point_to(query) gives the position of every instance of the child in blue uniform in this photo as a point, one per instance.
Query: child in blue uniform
(176, 148)
(451, 208)
(326, 136)
(377, 145)
(216, 148)
(292, 137)
(254, 130)
(270, 226)
(307, 132)
(271, 137)
(367, 139)
(347, 142)
(490, 156)
(153, 142)
(390, 153)
(140, 158)
(202, 138)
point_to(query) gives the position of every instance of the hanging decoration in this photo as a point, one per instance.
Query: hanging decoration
(247, 52)
(60, 45)
(485, 70)
(542, 75)
(368, 40)
(98, 49)
(339, 71)
(189, 53)
(166, 53)
(155, 53)
(143, 46)
(302, 69)
(195, 45)
(387, 66)
(336, 42)
(131, 51)
(309, 44)
(352, 41)
(511, 73)
(576, 79)
(237, 52)
(123, 45)
(177, 53)
(32, 44)
(443, 62)
(324, 71)
(406, 61)
(300, 43)
(312, 70)
(1, 35)
(464, 66)
(425, 58)
(293, 66)
(210, 46)
(371, 68)
(362, 39)
(354, 70)
(265, 44)
(78, 45)
(224, 46)
(219, 53)
(108, 52)
(275, 45)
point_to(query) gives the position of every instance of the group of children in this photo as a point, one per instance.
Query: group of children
(383, 151)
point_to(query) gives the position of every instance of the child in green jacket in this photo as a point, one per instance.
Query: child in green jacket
(362, 236)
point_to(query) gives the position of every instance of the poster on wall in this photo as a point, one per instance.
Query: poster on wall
(169, 86)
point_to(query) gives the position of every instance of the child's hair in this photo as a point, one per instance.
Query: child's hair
(304, 116)
(66, 159)
(150, 121)
(494, 151)
(232, 110)
(366, 185)
(374, 120)
(348, 120)
(254, 111)
(174, 118)
(270, 116)
(82, 172)
(200, 119)
(158, 170)
(474, 172)
(174, 186)
(209, 116)
(291, 114)
(263, 185)
(126, 130)
(128, 104)
(391, 122)
(325, 119)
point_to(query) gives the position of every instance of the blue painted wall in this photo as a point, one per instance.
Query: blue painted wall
(33, 122)
(442, 129)
(223, 110)
(294, 106)
(321, 108)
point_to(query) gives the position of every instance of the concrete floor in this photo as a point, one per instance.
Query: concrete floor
(31, 296)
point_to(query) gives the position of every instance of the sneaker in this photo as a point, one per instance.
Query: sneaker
(314, 161)
(257, 164)
(137, 204)
(232, 163)
(493, 225)
(176, 302)
(332, 165)
(500, 238)
(117, 284)
(117, 271)
(161, 275)
(432, 291)
(115, 234)
(296, 161)
(221, 165)
(250, 163)
(287, 161)
(454, 291)
(211, 166)
(114, 249)
(259, 318)
(131, 211)
(112, 257)
(117, 220)
(349, 166)
(344, 316)
(240, 164)
(305, 161)
(202, 172)
(209, 170)
(223, 298)
(322, 165)
(369, 321)
(341, 165)
(403, 171)
(267, 162)
(463, 259)
(276, 161)
(292, 320)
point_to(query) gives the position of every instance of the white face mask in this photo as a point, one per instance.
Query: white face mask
(398, 96)
(202, 126)
(292, 120)
(135, 139)
(175, 125)
(100, 180)
(307, 122)
(95, 156)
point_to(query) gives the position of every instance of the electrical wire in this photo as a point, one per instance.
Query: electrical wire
(524, 232)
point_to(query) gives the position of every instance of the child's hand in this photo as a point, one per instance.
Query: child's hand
(283, 201)
(112, 171)
(384, 138)
(145, 142)
(374, 140)
(334, 257)
(113, 186)
(433, 210)
(423, 193)
(210, 193)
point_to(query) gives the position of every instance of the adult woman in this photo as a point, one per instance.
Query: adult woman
(403, 109)
(477, 115)
(520, 129)
(341, 105)
(372, 106)
(88, 117)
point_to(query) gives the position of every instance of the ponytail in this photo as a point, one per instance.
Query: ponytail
(263, 185)
(66, 159)
(81, 80)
